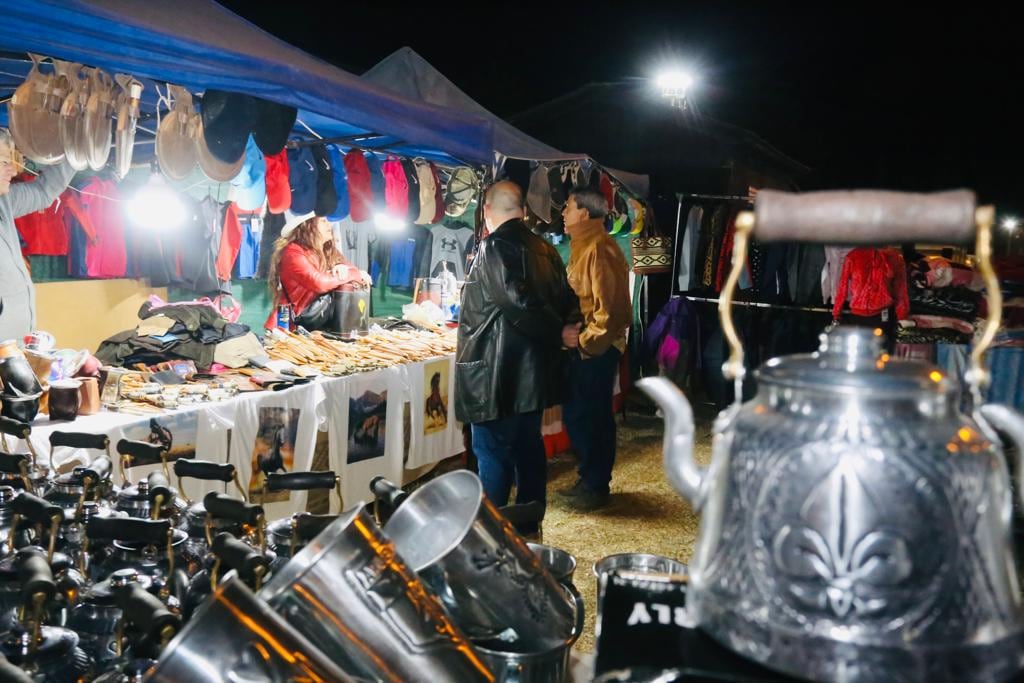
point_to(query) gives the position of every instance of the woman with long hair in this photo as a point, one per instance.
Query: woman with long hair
(307, 264)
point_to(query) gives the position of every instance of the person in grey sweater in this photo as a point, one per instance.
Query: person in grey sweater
(17, 295)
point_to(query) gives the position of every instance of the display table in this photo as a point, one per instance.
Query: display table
(267, 431)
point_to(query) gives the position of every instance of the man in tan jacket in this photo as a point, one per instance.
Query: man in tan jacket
(599, 275)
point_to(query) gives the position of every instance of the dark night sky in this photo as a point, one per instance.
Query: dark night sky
(870, 95)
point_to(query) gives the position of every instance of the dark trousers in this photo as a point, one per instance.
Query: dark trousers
(589, 418)
(511, 449)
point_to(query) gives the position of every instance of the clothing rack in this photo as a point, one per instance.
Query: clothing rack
(726, 197)
(680, 196)
(761, 304)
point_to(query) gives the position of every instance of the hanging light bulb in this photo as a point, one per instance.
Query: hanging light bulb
(156, 206)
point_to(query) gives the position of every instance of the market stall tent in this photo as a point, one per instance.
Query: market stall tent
(407, 73)
(199, 44)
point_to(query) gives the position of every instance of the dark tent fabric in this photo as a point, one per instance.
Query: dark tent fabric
(629, 126)
(410, 75)
(200, 44)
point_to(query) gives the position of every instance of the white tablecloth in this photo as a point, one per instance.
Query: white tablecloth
(271, 431)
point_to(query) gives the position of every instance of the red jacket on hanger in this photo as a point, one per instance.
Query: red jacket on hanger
(877, 279)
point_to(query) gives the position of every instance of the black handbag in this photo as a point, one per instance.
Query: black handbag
(319, 314)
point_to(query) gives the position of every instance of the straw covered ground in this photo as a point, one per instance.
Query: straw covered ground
(645, 515)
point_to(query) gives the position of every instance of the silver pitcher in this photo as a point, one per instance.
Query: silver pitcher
(855, 524)
(473, 559)
(235, 637)
(354, 597)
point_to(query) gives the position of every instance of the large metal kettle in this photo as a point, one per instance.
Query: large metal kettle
(855, 524)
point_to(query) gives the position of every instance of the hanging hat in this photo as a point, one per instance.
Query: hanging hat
(274, 123)
(556, 184)
(413, 178)
(251, 182)
(215, 169)
(438, 196)
(228, 119)
(279, 193)
(427, 206)
(302, 179)
(396, 189)
(378, 185)
(176, 148)
(538, 196)
(460, 191)
(294, 220)
(360, 194)
(326, 195)
(340, 184)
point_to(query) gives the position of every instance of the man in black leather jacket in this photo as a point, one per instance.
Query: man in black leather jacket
(517, 316)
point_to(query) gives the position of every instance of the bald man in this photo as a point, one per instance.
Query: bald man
(518, 315)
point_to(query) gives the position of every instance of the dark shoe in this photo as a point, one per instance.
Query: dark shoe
(588, 500)
(573, 491)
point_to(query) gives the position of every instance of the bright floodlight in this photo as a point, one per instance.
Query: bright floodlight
(156, 206)
(674, 83)
(388, 224)
(1010, 224)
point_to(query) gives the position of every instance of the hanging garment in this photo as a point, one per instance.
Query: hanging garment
(43, 232)
(247, 263)
(607, 189)
(559, 194)
(773, 286)
(276, 432)
(538, 196)
(688, 252)
(401, 266)
(835, 257)
(106, 256)
(356, 240)
(450, 246)
(200, 245)
(326, 195)
(230, 242)
(360, 192)
(805, 264)
(428, 192)
(435, 434)
(341, 209)
(80, 232)
(877, 280)
(396, 189)
(365, 430)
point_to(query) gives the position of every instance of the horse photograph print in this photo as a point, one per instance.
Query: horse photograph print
(274, 448)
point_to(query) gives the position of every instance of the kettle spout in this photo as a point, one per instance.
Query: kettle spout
(681, 469)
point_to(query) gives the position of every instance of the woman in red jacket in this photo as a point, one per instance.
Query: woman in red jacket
(306, 265)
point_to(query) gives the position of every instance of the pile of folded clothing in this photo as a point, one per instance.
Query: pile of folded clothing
(945, 299)
(191, 331)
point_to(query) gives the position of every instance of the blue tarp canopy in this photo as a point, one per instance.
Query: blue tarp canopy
(198, 44)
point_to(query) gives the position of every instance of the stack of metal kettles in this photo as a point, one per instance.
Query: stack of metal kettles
(111, 579)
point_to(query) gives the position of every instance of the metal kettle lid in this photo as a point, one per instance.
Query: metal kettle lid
(853, 358)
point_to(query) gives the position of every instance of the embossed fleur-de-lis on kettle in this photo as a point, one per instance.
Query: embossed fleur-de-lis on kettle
(855, 524)
(841, 567)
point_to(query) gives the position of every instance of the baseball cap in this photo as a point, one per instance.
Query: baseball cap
(302, 179)
(250, 183)
(279, 193)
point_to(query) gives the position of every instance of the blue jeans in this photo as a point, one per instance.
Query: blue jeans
(589, 418)
(511, 449)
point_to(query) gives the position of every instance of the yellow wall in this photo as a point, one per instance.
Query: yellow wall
(82, 313)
